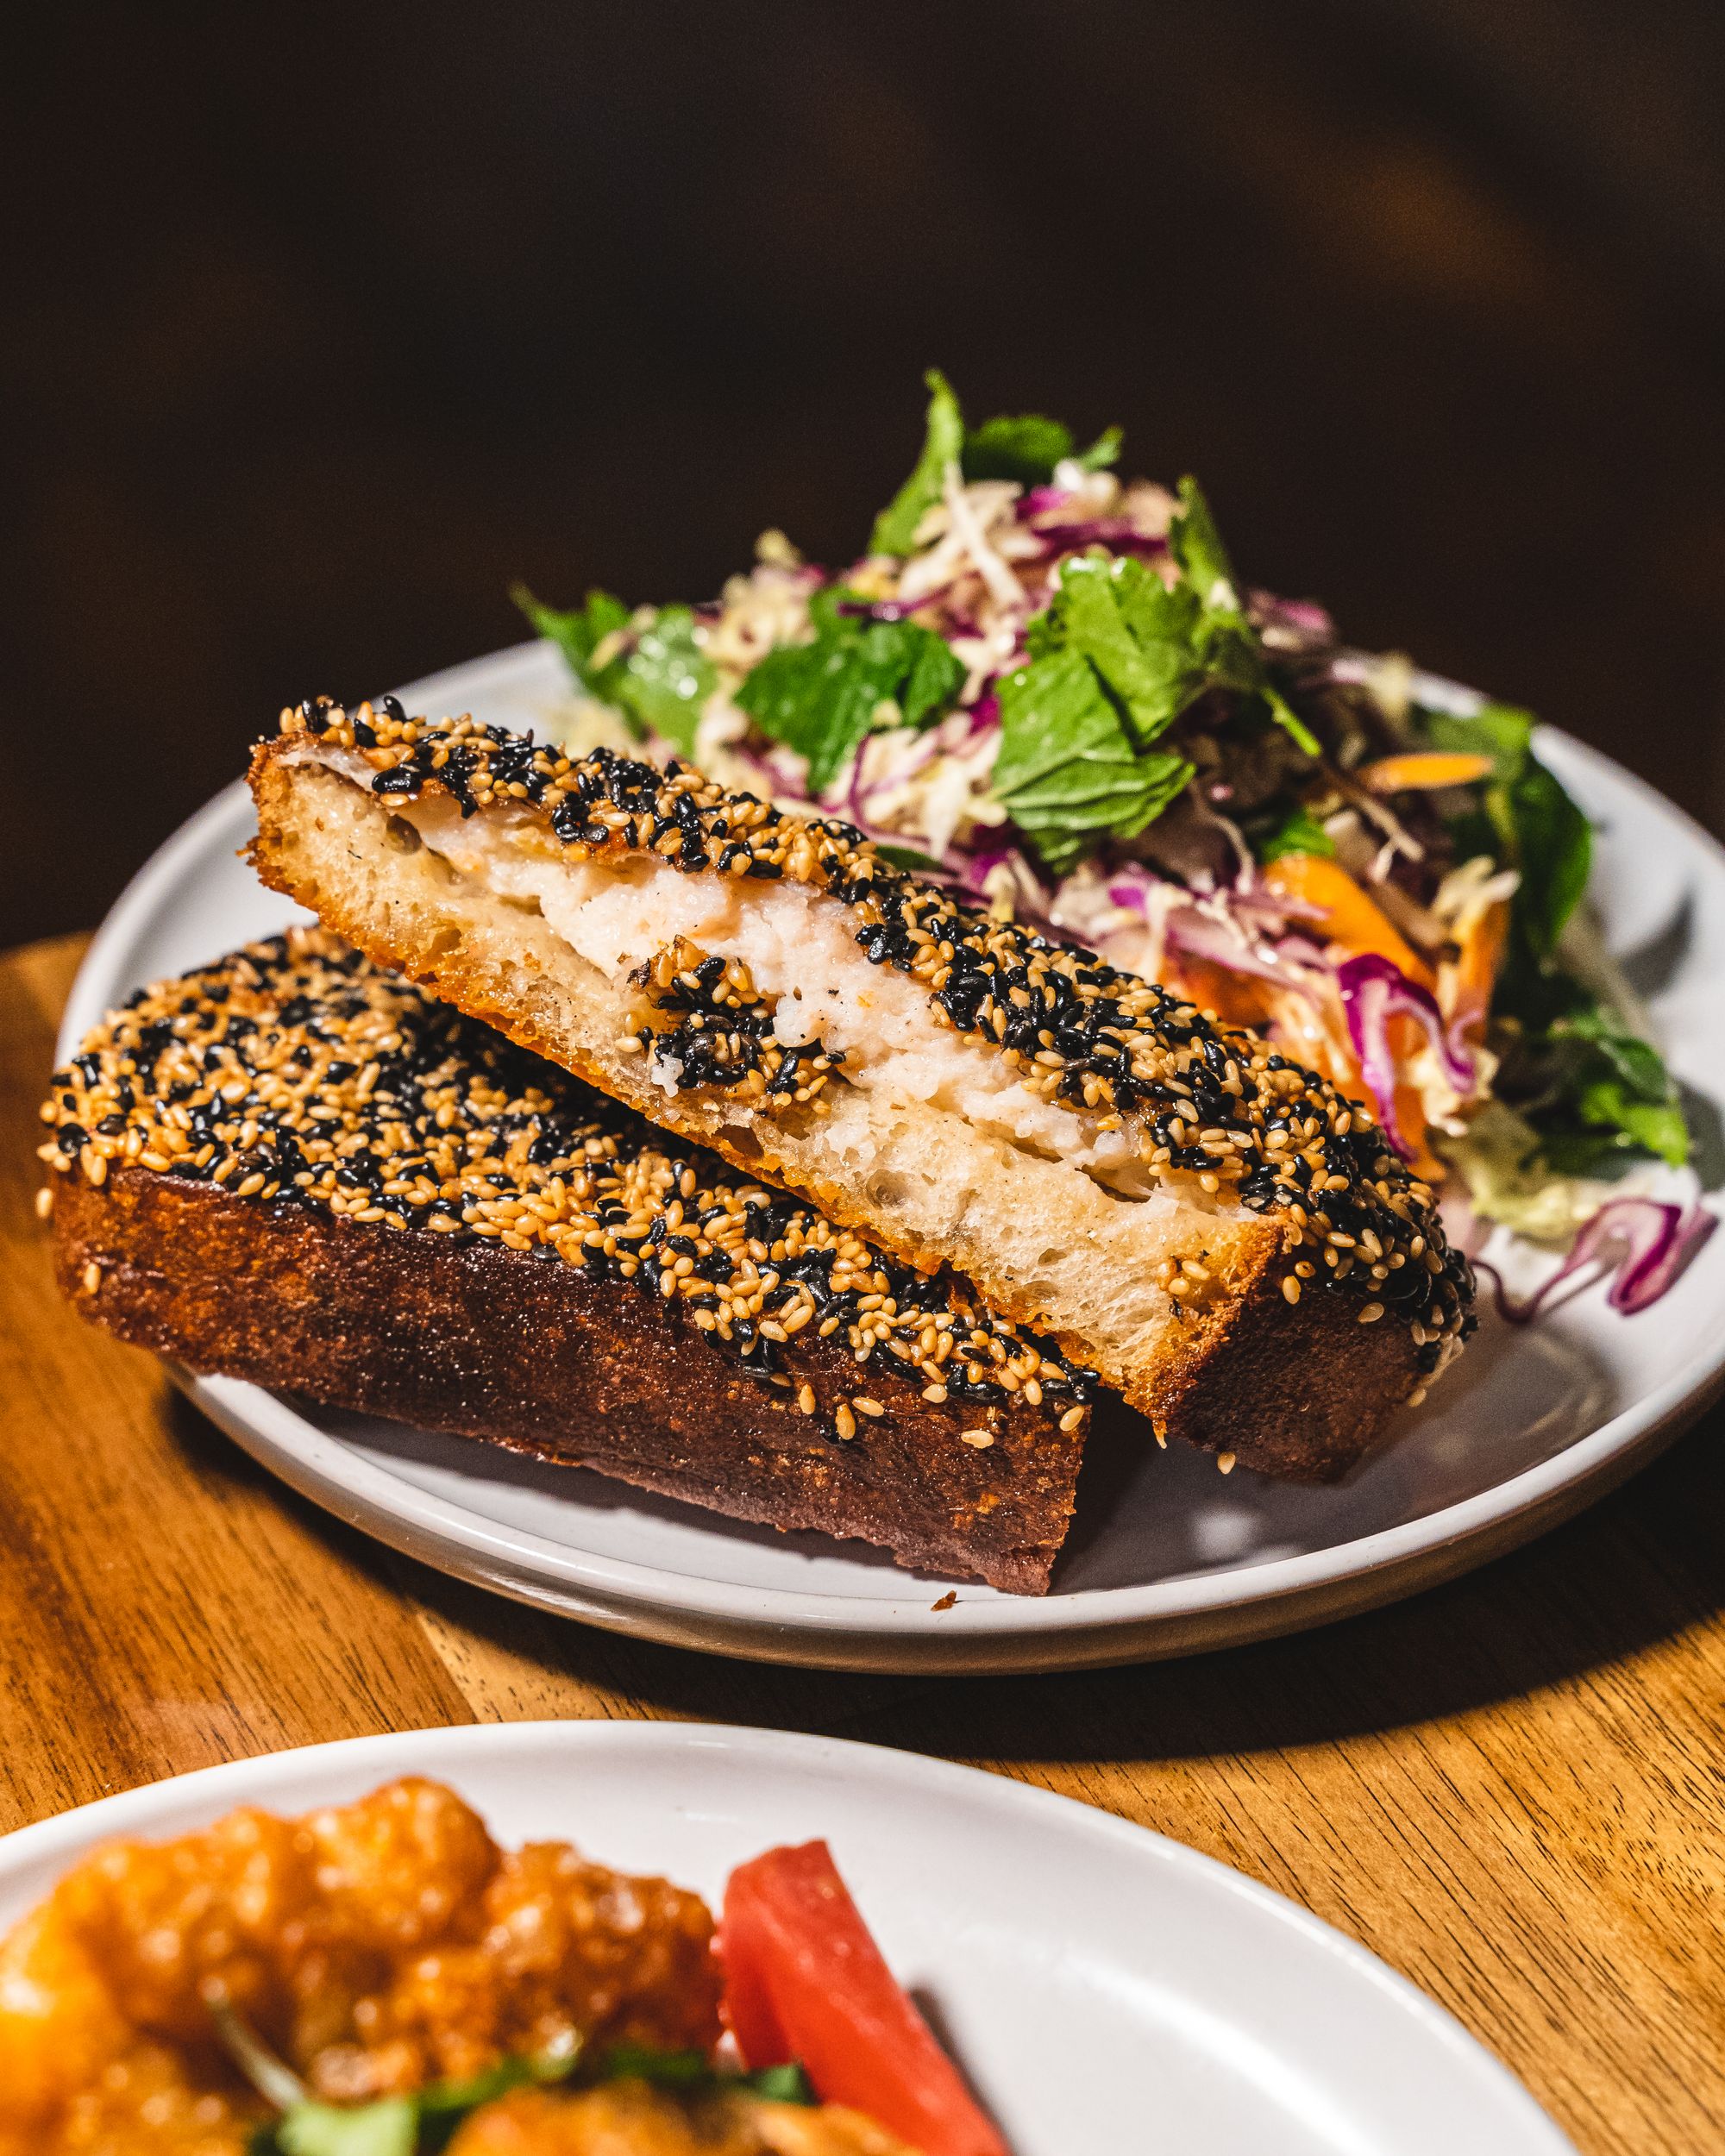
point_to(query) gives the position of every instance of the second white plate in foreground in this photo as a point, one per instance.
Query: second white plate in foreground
(1105, 1990)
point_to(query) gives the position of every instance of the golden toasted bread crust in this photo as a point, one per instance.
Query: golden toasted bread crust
(1298, 1391)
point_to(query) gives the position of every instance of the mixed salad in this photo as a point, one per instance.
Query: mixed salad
(1047, 687)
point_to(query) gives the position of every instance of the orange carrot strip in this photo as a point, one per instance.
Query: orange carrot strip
(1421, 772)
(1350, 918)
(1479, 954)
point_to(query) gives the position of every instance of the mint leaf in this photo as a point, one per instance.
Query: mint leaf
(821, 698)
(577, 632)
(895, 528)
(1136, 632)
(1538, 829)
(1196, 546)
(1595, 1094)
(662, 680)
(1025, 448)
(1067, 772)
(1299, 832)
(1103, 451)
(1228, 648)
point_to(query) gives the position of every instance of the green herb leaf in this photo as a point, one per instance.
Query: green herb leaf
(895, 528)
(390, 2128)
(1136, 632)
(1104, 451)
(1027, 447)
(1538, 829)
(1595, 1094)
(788, 2083)
(1196, 546)
(662, 680)
(1066, 771)
(693, 2072)
(822, 697)
(577, 632)
(1228, 650)
(1299, 832)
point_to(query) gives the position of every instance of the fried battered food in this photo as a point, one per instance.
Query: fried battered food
(374, 1947)
(628, 2118)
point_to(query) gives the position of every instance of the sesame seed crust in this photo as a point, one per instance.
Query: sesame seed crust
(1214, 1109)
(296, 1073)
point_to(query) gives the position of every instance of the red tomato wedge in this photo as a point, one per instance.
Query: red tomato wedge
(805, 1980)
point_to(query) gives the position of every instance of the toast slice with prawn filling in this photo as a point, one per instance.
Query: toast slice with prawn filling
(1225, 1237)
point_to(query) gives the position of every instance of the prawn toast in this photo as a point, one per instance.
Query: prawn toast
(291, 1167)
(1221, 1235)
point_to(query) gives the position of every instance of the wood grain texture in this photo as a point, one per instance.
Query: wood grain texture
(1513, 1787)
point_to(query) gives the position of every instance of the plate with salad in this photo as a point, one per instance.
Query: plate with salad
(1052, 689)
(527, 1939)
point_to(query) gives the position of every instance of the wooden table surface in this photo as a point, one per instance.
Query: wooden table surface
(1510, 1788)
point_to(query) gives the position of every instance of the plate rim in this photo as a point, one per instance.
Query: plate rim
(913, 1776)
(1088, 1627)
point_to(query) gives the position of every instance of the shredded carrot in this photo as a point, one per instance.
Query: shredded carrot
(1422, 772)
(1351, 918)
(1468, 983)
(1237, 998)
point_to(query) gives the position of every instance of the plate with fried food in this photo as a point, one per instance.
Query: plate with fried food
(541, 1940)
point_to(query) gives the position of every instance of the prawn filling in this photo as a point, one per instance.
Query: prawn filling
(376, 1948)
(1098, 1156)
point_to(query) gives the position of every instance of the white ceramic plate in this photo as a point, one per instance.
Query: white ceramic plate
(1105, 1990)
(1166, 1557)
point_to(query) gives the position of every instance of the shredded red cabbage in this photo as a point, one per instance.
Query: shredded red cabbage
(1373, 991)
(1644, 1245)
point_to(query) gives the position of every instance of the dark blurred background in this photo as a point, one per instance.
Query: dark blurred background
(325, 322)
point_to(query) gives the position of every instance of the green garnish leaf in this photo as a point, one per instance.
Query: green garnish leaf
(781, 2084)
(1619, 1091)
(1025, 448)
(1536, 828)
(1299, 832)
(660, 679)
(1067, 771)
(1028, 447)
(1196, 546)
(1229, 650)
(389, 2127)
(578, 631)
(1116, 657)
(1136, 632)
(823, 698)
(1594, 1092)
(1104, 451)
(692, 2072)
(895, 528)
(909, 857)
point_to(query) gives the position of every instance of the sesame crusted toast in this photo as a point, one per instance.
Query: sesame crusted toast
(1225, 1237)
(293, 1169)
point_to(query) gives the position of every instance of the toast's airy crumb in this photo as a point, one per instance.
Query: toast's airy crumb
(295, 1072)
(1216, 1109)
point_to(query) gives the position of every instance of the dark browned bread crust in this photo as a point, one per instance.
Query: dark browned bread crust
(544, 1359)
